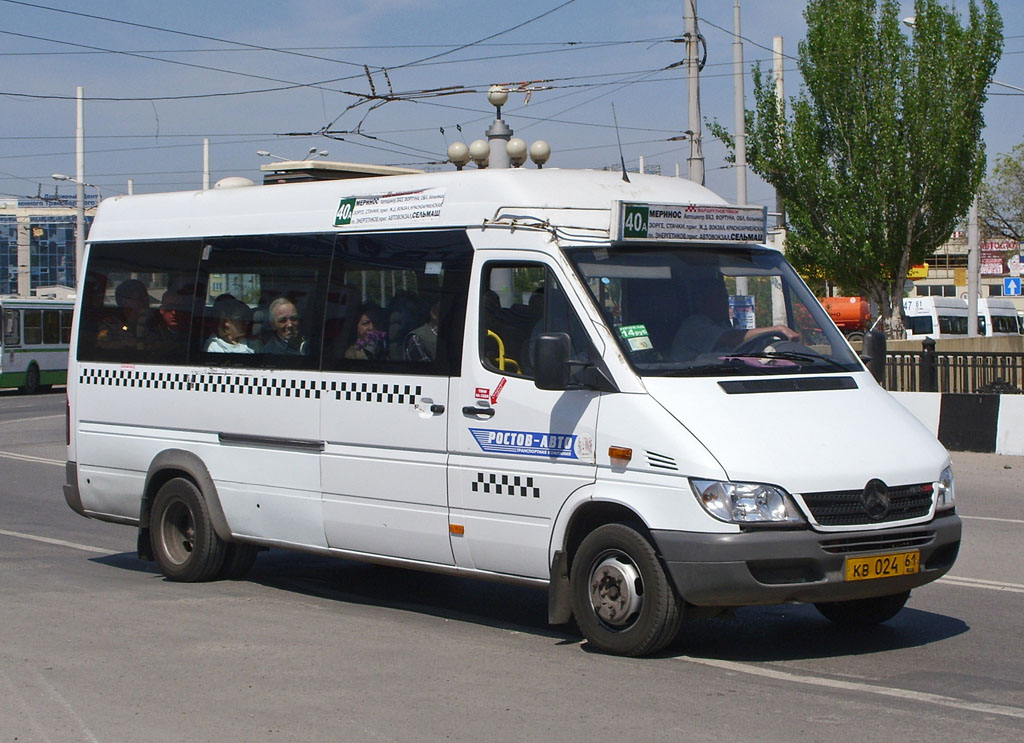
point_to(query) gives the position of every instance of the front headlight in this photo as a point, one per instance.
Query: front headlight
(945, 497)
(746, 503)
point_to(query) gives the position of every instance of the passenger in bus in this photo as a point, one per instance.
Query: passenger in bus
(709, 328)
(126, 327)
(371, 340)
(285, 320)
(175, 312)
(421, 343)
(232, 330)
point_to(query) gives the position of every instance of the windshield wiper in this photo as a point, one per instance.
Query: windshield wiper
(805, 356)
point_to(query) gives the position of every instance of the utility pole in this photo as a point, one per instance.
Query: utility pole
(738, 108)
(206, 163)
(780, 97)
(79, 180)
(696, 160)
(973, 265)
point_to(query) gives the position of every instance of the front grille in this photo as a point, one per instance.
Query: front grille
(846, 507)
(877, 542)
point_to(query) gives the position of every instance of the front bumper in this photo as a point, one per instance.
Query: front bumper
(776, 566)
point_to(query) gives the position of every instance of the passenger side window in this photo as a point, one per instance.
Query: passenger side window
(124, 289)
(397, 303)
(519, 302)
(263, 301)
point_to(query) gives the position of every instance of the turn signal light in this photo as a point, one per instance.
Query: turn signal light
(620, 454)
(456, 528)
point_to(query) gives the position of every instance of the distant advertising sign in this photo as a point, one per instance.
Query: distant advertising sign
(994, 254)
(643, 222)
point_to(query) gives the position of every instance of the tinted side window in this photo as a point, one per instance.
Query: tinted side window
(123, 290)
(51, 327)
(263, 304)
(33, 327)
(519, 303)
(397, 303)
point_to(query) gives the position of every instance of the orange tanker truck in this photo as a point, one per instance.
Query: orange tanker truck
(851, 314)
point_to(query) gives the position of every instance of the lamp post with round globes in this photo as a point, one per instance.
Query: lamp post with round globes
(500, 149)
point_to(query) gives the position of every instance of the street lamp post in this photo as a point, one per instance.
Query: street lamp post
(79, 217)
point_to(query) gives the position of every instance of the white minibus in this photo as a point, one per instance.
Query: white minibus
(935, 317)
(34, 343)
(997, 316)
(533, 376)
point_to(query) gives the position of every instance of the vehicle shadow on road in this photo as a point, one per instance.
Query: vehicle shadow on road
(518, 608)
(752, 634)
(797, 631)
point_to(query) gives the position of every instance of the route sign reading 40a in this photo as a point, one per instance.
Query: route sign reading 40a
(689, 222)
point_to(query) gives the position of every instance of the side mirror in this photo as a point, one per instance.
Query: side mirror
(551, 365)
(873, 353)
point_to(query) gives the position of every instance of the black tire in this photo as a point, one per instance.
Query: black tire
(185, 546)
(32, 380)
(640, 620)
(863, 612)
(238, 560)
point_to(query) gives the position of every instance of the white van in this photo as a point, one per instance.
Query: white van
(997, 316)
(935, 317)
(529, 376)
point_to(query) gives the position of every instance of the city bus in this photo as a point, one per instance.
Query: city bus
(609, 390)
(34, 345)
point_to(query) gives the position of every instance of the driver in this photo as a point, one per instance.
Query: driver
(709, 328)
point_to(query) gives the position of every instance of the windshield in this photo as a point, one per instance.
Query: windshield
(707, 311)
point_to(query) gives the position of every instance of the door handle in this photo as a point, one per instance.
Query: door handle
(437, 409)
(475, 410)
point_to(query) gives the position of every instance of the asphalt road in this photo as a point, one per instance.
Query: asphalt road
(96, 646)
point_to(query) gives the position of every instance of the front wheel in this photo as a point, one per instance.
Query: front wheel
(622, 599)
(863, 612)
(185, 546)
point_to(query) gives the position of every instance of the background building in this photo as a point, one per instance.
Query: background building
(37, 243)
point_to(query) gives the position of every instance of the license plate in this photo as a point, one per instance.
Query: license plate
(883, 566)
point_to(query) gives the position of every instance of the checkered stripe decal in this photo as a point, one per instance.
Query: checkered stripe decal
(505, 485)
(400, 394)
(246, 384)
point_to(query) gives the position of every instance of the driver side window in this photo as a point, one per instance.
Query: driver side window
(518, 303)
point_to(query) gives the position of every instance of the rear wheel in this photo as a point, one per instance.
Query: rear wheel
(32, 380)
(622, 599)
(185, 545)
(863, 612)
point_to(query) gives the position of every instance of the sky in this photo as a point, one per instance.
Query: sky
(287, 76)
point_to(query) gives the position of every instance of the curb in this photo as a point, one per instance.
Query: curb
(961, 422)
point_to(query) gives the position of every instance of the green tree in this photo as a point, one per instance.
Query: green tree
(882, 153)
(1001, 209)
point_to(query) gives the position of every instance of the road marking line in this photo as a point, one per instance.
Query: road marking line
(37, 418)
(992, 585)
(30, 458)
(58, 542)
(993, 518)
(904, 694)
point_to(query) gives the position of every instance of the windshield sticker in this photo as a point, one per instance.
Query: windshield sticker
(383, 209)
(636, 336)
(527, 443)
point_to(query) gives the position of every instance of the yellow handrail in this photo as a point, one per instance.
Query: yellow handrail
(502, 361)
